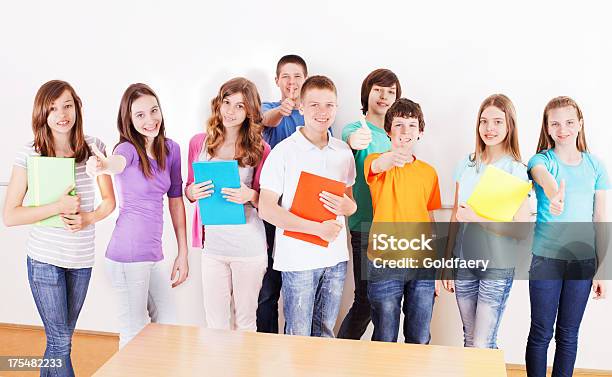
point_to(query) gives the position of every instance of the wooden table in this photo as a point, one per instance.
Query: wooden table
(163, 350)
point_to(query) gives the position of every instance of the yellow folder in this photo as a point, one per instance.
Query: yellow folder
(498, 195)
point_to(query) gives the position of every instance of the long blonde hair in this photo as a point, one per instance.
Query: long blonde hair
(547, 142)
(510, 142)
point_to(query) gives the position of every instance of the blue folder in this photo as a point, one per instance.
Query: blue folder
(215, 210)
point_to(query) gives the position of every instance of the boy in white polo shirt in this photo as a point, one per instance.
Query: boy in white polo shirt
(313, 276)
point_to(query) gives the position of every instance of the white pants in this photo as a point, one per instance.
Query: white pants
(226, 277)
(144, 291)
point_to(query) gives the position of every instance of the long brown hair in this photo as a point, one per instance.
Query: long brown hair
(510, 142)
(249, 146)
(127, 131)
(547, 142)
(43, 136)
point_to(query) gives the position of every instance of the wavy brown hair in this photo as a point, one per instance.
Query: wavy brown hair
(547, 142)
(127, 131)
(249, 146)
(43, 136)
(510, 142)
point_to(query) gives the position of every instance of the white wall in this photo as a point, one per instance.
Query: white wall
(448, 55)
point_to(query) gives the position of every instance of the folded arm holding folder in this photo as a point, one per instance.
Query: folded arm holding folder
(322, 201)
(498, 195)
(308, 205)
(498, 204)
(49, 179)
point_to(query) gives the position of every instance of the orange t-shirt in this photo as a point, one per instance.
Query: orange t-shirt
(405, 194)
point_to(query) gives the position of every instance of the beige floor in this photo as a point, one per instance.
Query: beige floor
(89, 350)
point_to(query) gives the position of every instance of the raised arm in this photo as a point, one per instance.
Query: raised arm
(383, 163)
(555, 193)
(358, 138)
(100, 164)
(387, 160)
(273, 117)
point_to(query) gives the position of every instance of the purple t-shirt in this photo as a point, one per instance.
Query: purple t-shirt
(138, 231)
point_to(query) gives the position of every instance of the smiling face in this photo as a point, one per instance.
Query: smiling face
(404, 132)
(290, 79)
(233, 111)
(146, 116)
(62, 114)
(381, 98)
(563, 125)
(319, 109)
(492, 126)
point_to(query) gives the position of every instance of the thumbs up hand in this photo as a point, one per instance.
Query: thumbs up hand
(293, 93)
(401, 153)
(97, 164)
(556, 202)
(360, 138)
(289, 103)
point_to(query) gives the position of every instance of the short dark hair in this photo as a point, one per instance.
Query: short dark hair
(295, 59)
(404, 108)
(381, 77)
(317, 82)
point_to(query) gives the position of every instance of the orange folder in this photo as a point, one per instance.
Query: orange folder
(306, 203)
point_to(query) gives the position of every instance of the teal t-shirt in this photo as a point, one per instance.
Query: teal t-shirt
(473, 242)
(361, 191)
(573, 235)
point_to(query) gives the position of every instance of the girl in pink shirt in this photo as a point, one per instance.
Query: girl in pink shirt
(235, 257)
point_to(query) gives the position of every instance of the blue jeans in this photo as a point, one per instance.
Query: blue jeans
(59, 294)
(267, 303)
(385, 297)
(481, 301)
(555, 299)
(358, 317)
(311, 300)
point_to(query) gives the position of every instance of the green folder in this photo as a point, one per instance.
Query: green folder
(48, 178)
